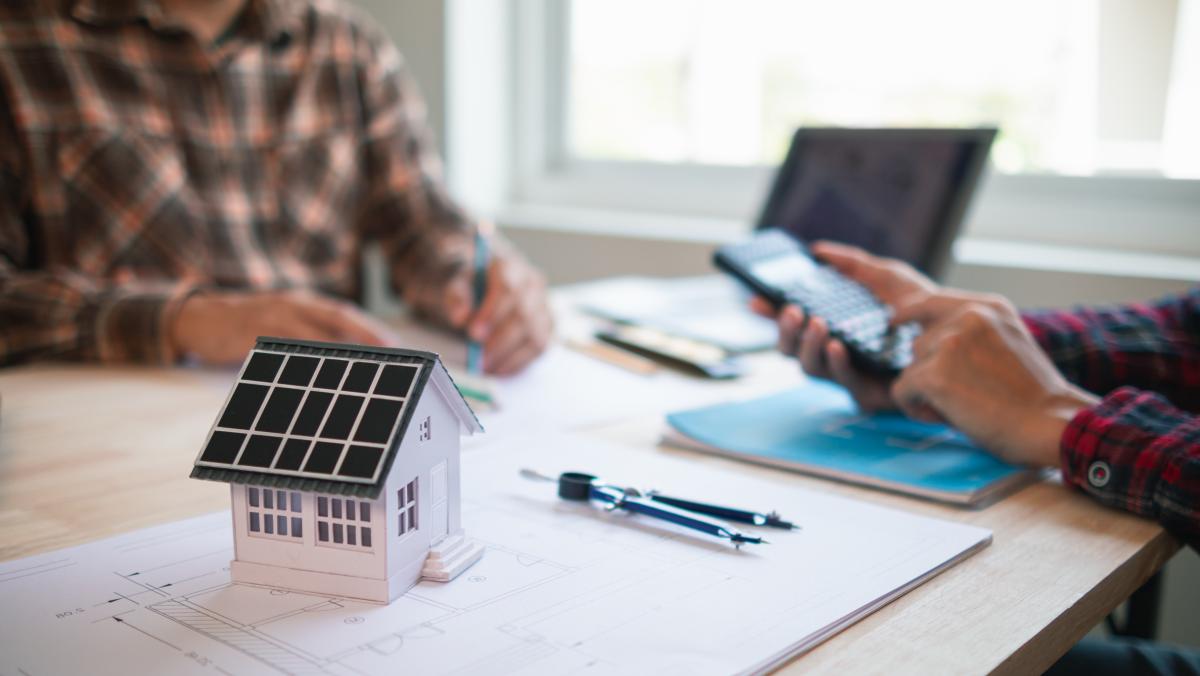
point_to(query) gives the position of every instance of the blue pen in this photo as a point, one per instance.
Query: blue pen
(479, 290)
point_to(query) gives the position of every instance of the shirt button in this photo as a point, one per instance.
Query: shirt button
(1099, 474)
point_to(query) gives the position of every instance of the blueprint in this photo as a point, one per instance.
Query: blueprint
(564, 588)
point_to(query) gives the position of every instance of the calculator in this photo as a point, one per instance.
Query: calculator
(778, 267)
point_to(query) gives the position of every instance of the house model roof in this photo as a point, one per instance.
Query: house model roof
(322, 417)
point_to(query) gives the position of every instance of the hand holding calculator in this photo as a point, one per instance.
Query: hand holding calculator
(779, 268)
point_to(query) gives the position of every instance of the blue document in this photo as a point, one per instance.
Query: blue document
(816, 429)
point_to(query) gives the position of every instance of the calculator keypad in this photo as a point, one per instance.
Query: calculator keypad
(856, 317)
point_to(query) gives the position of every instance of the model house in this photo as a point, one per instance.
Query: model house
(343, 466)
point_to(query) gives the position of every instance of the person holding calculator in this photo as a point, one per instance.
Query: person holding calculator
(1110, 396)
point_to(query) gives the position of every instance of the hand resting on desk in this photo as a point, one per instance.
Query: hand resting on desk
(975, 366)
(513, 322)
(218, 327)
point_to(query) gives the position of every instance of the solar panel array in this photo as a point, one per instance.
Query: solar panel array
(311, 416)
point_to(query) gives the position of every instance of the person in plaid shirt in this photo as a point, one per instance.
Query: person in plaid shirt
(178, 177)
(1111, 396)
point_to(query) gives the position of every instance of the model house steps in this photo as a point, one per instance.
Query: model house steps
(450, 557)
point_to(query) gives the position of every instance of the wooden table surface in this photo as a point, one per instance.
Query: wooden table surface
(88, 452)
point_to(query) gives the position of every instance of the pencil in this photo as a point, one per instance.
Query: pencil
(474, 348)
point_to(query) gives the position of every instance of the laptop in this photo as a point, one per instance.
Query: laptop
(902, 193)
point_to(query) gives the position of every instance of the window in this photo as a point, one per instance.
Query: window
(274, 513)
(343, 522)
(664, 118)
(1079, 87)
(406, 501)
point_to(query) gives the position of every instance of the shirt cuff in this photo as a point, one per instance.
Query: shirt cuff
(134, 325)
(1109, 450)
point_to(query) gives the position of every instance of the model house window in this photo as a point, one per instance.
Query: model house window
(344, 522)
(273, 512)
(406, 499)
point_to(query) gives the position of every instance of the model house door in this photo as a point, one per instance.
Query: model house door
(438, 514)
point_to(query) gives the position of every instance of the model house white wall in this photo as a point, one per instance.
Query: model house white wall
(428, 459)
(436, 506)
(305, 552)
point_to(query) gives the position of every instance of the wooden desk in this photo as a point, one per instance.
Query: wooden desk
(87, 452)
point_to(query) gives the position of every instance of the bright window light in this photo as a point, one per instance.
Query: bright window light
(1077, 87)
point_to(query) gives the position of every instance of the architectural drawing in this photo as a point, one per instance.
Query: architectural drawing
(564, 588)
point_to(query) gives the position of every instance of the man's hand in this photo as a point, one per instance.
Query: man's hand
(514, 322)
(977, 367)
(893, 282)
(221, 327)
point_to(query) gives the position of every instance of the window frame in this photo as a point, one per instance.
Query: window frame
(292, 513)
(407, 497)
(1145, 214)
(333, 521)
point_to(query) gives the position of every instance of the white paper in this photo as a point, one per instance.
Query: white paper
(711, 308)
(564, 389)
(563, 588)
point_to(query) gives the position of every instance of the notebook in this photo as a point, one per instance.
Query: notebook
(815, 429)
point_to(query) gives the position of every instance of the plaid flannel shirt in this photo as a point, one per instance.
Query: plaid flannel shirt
(1139, 448)
(138, 166)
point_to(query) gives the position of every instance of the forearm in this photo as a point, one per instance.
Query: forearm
(65, 317)
(423, 270)
(1136, 452)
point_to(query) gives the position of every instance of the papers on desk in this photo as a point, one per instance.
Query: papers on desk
(563, 389)
(563, 586)
(710, 308)
(817, 429)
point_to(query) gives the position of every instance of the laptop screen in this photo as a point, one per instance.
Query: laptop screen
(895, 192)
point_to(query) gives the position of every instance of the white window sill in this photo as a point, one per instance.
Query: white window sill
(970, 251)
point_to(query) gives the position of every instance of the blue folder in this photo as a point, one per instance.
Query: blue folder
(816, 429)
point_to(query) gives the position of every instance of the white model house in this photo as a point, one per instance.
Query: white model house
(343, 465)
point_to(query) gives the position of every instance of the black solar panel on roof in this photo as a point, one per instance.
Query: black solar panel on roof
(362, 374)
(311, 416)
(299, 370)
(395, 381)
(330, 376)
(262, 367)
(222, 447)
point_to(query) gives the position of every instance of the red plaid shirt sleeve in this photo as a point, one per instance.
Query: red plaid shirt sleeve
(406, 184)
(1137, 450)
(60, 313)
(1152, 346)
